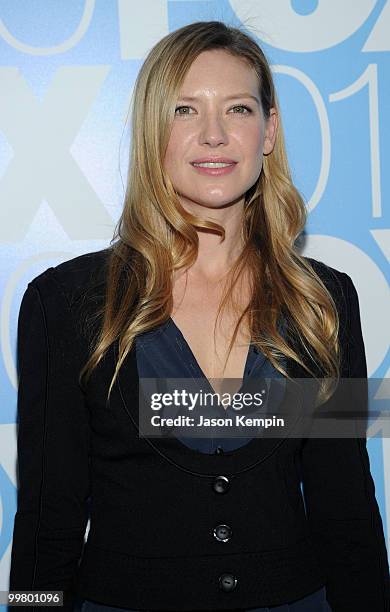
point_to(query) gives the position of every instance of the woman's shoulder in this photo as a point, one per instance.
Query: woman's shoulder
(75, 276)
(340, 286)
(335, 280)
(325, 272)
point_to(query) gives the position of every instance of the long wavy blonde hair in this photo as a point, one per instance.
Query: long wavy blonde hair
(155, 236)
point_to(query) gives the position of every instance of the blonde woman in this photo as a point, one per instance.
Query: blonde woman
(203, 279)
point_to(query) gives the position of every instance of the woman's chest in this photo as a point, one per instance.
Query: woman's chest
(209, 337)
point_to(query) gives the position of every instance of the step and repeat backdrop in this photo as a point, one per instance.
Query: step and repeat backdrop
(67, 71)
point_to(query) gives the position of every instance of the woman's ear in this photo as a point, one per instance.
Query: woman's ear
(271, 127)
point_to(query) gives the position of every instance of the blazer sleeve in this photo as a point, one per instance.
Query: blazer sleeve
(340, 501)
(52, 445)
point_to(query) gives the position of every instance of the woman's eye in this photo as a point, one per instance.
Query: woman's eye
(180, 107)
(241, 106)
(245, 107)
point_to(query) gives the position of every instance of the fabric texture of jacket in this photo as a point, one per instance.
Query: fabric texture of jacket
(153, 503)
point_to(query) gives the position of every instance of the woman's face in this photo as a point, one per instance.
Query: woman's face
(213, 126)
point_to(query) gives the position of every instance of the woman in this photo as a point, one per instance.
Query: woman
(178, 522)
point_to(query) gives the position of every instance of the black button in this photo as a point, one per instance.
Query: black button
(227, 582)
(221, 484)
(223, 533)
(219, 450)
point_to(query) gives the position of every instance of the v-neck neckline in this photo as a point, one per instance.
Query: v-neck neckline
(196, 363)
(204, 464)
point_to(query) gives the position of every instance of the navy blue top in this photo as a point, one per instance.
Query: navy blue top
(165, 353)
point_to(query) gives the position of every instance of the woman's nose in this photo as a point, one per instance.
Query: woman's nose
(213, 129)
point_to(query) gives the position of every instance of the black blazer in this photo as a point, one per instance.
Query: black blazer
(153, 503)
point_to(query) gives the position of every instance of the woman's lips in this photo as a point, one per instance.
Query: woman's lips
(215, 171)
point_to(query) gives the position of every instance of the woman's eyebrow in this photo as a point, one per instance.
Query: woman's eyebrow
(232, 97)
